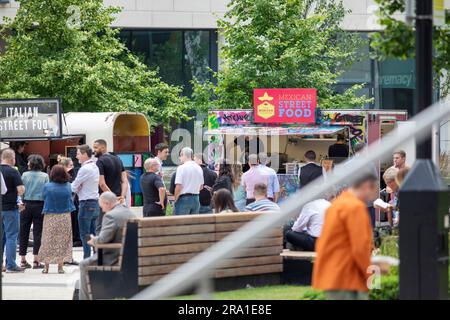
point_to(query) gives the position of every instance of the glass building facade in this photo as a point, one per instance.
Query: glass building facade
(390, 82)
(179, 55)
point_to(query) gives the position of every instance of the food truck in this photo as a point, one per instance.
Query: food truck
(286, 139)
(49, 132)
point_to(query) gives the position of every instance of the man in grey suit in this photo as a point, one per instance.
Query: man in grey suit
(115, 219)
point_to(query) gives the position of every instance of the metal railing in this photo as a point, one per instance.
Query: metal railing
(197, 271)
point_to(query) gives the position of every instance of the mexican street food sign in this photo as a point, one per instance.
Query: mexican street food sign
(30, 119)
(284, 105)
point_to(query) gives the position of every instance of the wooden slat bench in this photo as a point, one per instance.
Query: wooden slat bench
(105, 282)
(297, 266)
(165, 243)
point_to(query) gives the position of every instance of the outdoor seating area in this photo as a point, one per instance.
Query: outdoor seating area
(165, 243)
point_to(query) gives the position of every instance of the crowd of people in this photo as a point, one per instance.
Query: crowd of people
(198, 189)
(65, 203)
(60, 203)
(340, 228)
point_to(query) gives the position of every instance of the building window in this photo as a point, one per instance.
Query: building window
(361, 72)
(390, 82)
(397, 84)
(178, 55)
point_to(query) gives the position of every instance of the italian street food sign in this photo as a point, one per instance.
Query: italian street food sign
(284, 105)
(30, 119)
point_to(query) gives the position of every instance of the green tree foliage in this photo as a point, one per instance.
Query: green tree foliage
(281, 44)
(397, 40)
(67, 49)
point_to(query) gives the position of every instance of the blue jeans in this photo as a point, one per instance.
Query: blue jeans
(10, 234)
(205, 209)
(87, 214)
(189, 204)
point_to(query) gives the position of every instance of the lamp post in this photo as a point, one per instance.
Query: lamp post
(423, 196)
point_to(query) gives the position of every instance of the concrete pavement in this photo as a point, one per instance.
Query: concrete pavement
(34, 285)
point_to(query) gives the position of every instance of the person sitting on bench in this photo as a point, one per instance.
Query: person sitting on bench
(308, 226)
(261, 202)
(115, 219)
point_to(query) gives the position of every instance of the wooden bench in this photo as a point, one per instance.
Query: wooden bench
(165, 243)
(105, 282)
(297, 266)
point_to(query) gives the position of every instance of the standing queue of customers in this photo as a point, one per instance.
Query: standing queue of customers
(197, 189)
(46, 201)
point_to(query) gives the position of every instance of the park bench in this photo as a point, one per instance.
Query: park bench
(159, 245)
(297, 266)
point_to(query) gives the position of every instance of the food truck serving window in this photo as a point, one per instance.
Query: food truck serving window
(30, 119)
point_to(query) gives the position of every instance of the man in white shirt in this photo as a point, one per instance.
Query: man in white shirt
(308, 226)
(273, 186)
(86, 187)
(188, 183)
(255, 175)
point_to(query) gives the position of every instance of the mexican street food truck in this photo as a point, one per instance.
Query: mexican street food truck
(286, 135)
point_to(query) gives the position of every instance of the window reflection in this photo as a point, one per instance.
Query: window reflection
(178, 55)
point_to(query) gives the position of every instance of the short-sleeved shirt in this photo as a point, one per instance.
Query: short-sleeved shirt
(111, 167)
(190, 176)
(12, 181)
(252, 177)
(3, 185)
(150, 184)
(273, 185)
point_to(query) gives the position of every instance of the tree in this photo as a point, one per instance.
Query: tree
(397, 40)
(281, 44)
(67, 49)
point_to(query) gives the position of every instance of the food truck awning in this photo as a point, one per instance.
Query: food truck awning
(278, 131)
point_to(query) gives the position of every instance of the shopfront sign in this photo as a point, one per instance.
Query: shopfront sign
(284, 105)
(30, 119)
(220, 118)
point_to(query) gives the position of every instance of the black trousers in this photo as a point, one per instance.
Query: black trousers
(74, 220)
(301, 240)
(153, 210)
(31, 215)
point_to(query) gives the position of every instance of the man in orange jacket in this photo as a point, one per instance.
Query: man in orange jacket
(345, 245)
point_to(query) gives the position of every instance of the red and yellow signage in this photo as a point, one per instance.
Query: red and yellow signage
(284, 105)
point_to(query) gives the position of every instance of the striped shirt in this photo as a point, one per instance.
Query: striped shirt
(262, 205)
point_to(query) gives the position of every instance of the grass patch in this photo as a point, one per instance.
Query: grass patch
(282, 292)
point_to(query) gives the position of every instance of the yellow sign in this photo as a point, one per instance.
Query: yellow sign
(438, 13)
(265, 110)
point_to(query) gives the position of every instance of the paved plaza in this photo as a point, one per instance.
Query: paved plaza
(33, 285)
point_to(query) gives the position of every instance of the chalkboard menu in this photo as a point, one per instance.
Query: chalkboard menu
(30, 118)
(71, 152)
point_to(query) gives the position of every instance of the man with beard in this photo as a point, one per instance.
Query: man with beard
(113, 176)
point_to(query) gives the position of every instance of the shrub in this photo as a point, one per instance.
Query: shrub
(312, 294)
(389, 287)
